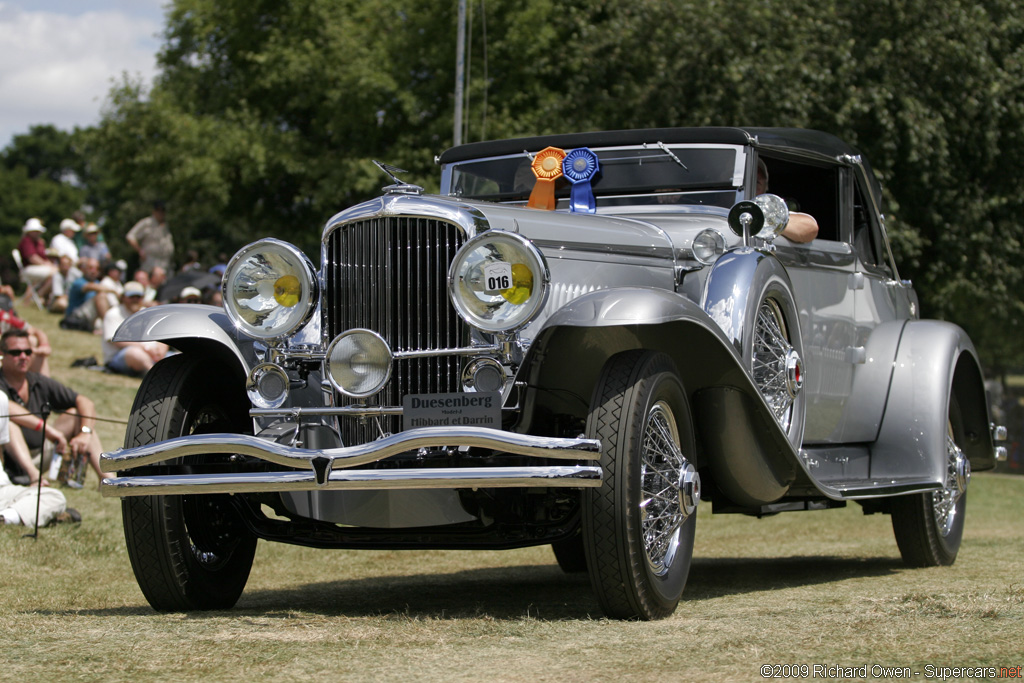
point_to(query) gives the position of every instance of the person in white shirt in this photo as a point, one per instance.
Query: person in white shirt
(64, 241)
(18, 504)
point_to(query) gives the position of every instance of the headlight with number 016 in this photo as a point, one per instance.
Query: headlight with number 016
(270, 289)
(498, 281)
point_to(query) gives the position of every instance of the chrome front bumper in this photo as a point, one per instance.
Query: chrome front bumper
(329, 469)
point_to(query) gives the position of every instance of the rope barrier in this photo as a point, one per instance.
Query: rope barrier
(91, 417)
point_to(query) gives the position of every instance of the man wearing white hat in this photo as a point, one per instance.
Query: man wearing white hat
(38, 269)
(64, 242)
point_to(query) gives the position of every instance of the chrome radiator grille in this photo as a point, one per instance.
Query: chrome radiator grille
(389, 275)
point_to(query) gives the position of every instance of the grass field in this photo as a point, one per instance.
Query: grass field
(818, 588)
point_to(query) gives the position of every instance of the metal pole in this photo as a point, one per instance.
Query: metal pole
(460, 68)
(44, 413)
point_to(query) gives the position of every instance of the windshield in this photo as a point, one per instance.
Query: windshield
(652, 174)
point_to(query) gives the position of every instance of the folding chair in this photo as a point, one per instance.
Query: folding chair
(30, 290)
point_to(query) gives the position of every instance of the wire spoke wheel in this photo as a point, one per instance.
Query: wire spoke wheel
(770, 361)
(944, 502)
(661, 467)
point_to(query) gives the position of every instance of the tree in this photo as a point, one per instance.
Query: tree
(266, 115)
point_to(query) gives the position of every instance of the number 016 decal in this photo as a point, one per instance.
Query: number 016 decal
(497, 277)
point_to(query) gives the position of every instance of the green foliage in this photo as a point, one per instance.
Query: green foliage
(267, 115)
(38, 177)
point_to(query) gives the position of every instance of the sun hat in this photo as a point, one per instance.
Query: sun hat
(91, 228)
(33, 225)
(69, 224)
(133, 288)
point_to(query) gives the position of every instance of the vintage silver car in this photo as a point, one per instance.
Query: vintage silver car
(579, 341)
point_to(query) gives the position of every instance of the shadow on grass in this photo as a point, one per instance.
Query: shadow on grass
(530, 591)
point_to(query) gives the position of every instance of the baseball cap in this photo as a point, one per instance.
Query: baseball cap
(68, 224)
(190, 291)
(133, 288)
(91, 228)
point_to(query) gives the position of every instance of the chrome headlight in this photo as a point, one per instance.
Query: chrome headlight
(359, 363)
(270, 289)
(498, 281)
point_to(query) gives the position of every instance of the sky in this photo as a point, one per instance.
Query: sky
(59, 58)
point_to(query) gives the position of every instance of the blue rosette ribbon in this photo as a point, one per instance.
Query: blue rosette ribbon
(580, 166)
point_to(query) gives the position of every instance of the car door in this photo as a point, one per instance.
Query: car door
(821, 272)
(882, 303)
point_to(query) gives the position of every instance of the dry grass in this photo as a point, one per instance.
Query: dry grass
(808, 588)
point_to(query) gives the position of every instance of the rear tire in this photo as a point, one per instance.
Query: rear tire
(187, 552)
(637, 529)
(929, 527)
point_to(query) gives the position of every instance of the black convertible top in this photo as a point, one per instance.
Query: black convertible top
(797, 139)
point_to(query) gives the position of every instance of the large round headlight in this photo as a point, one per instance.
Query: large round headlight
(270, 289)
(498, 281)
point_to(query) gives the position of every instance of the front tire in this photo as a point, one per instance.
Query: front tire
(638, 527)
(187, 552)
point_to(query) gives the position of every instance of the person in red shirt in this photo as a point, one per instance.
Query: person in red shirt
(38, 269)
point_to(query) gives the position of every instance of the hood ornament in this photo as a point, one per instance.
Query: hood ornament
(399, 187)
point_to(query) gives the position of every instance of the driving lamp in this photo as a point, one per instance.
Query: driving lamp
(359, 363)
(270, 289)
(708, 245)
(267, 386)
(498, 281)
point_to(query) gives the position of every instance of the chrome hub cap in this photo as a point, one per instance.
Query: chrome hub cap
(958, 474)
(776, 365)
(669, 488)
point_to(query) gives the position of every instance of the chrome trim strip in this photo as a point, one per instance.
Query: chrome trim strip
(351, 456)
(346, 411)
(880, 490)
(570, 476)
(653, 251)
(491, 349)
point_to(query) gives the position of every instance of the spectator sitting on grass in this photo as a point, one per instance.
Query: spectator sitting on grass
(92, 247)
(85, 309)
(19, 504)
(76, 416)
(38, 270)
(112, 283)
(63, 243)
(62, 279)
(128, 358)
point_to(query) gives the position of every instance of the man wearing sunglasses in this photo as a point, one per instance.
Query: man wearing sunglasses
(73, 419)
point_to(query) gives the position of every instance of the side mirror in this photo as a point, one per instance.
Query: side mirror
(763, 217)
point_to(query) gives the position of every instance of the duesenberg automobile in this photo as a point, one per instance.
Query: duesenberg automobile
(579, 341)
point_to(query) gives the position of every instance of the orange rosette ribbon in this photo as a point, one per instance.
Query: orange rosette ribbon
(547, 166)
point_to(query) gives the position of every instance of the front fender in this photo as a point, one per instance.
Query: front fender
(750, 457)
(739, 282)
(935, 361)
(188, 328)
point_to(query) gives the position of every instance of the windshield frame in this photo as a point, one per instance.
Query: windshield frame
(721, 193)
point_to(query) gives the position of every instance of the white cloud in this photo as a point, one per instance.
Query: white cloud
(59, 59)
